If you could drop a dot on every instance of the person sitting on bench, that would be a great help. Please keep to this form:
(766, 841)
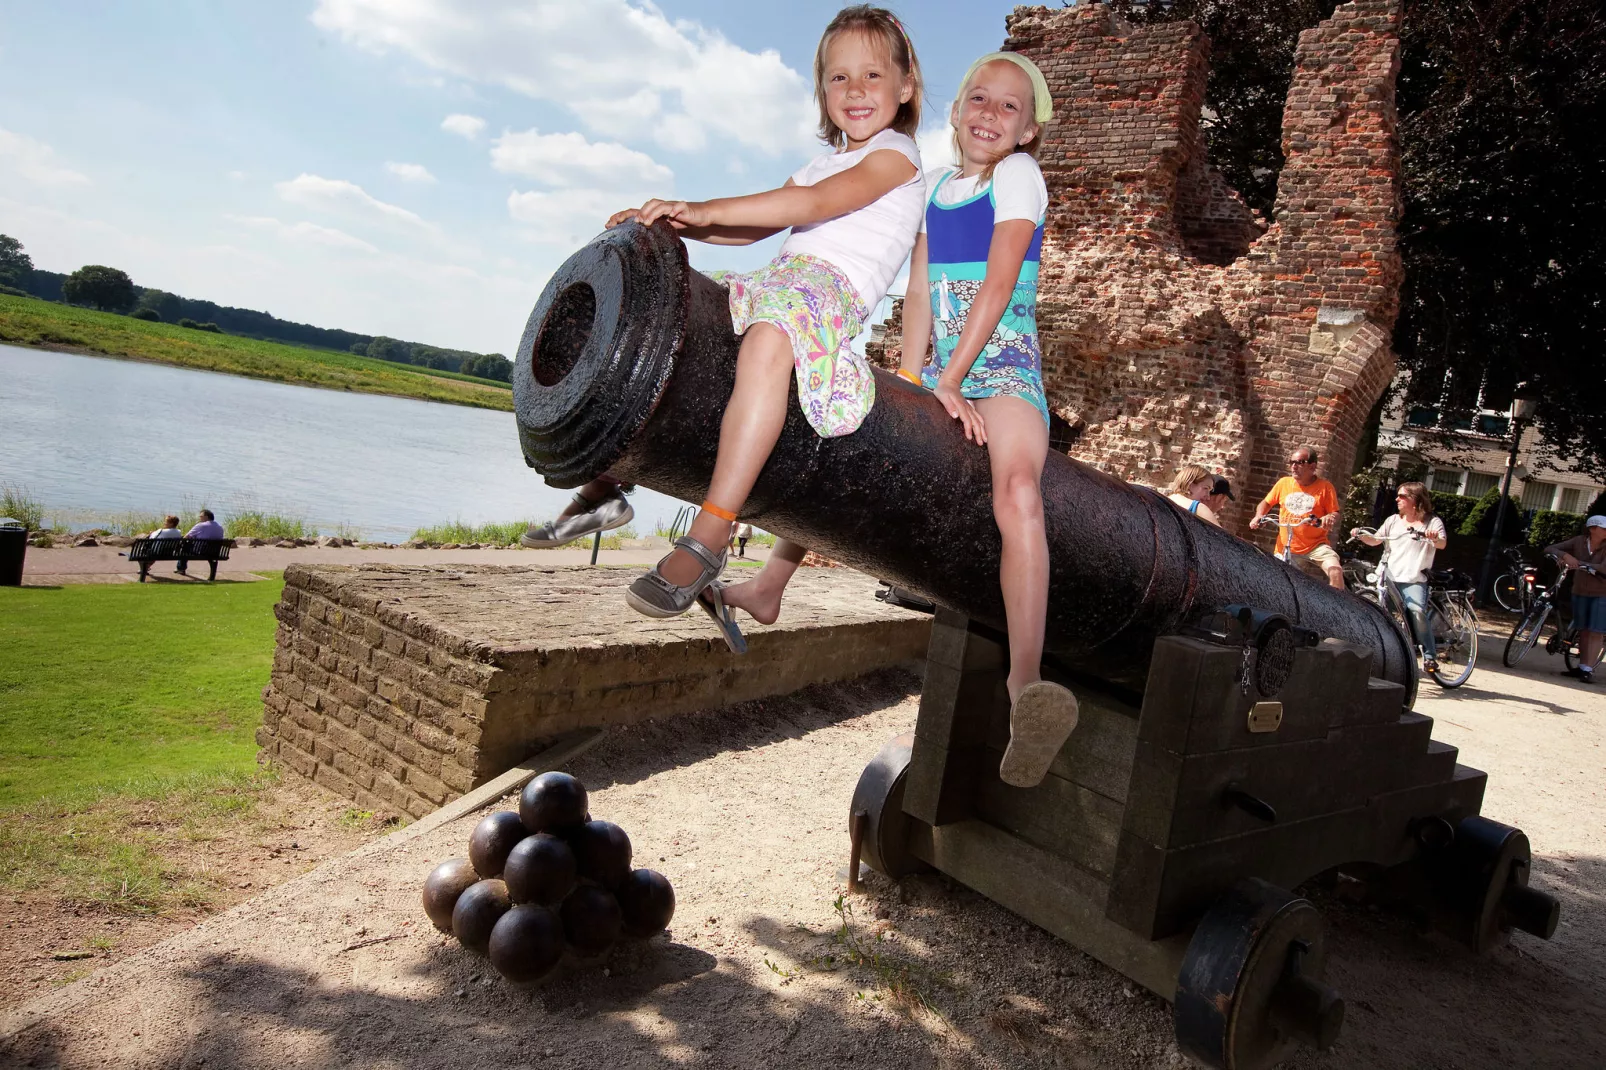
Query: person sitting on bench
(168, 530)
(206, 528)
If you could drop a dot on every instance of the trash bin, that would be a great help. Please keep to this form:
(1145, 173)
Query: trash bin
(13, 546)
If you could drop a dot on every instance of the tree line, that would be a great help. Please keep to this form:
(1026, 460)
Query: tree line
(111, 290)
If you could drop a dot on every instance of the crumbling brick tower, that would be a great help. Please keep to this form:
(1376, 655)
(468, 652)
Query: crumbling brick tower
(1176, 326)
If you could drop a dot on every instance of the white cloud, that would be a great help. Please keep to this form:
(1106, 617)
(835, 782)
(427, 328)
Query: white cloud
(622, 67)
(570, 160)
(468, 126)
(236, 176)
(567, 217)
(304, 233)
(35, 161)
(410, 172)
(936, 143)
(345, 198)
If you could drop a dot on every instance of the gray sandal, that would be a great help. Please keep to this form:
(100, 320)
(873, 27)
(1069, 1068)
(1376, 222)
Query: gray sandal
(655, 596)
(712, 602)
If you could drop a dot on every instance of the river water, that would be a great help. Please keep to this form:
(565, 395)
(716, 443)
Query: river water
(92, 438)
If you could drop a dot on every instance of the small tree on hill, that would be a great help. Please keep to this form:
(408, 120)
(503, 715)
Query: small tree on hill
(103, 287)
(16, 266)
(168, 306)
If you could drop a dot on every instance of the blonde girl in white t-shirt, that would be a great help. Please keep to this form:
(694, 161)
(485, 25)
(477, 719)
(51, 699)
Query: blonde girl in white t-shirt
(854, 213)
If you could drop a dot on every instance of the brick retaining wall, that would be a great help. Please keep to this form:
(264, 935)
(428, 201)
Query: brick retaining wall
(401, 687)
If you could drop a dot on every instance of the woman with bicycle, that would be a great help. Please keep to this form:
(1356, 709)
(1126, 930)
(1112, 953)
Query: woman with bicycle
(1589, 591)
(1413, 535)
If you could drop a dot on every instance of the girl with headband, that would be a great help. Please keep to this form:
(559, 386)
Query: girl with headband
(979, 248)
(853, 213)
(981, 237)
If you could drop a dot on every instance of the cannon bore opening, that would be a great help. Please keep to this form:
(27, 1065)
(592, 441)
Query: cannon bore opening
(564, 334)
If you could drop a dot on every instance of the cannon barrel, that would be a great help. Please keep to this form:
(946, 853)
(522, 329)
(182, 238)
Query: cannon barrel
(625, 367)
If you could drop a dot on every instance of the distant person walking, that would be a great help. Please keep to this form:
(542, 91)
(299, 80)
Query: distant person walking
(206, 528)
(1303, 497)
(1413, 535)
(1589, 592)
(1191, 490)
(739, 536)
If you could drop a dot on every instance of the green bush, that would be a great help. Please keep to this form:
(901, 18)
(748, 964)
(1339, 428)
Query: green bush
(12, 291)
(1481, 520)
(493, 534)
(149, 315)
(185, 321)
(1453, 509)
(1550, 527)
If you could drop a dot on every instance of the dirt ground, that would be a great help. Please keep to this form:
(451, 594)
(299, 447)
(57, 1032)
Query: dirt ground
(745, 811)
(295, 827)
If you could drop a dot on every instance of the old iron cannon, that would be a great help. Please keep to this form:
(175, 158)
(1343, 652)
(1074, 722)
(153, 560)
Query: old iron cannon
(1244, 727)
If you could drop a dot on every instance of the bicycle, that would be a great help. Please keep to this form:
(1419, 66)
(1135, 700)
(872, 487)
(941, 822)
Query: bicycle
(1514, 589)
(1527, 631)
(1286, 533)
(1449, 614)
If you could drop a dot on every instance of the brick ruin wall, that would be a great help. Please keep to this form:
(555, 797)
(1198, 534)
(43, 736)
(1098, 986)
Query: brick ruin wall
(1178, 327)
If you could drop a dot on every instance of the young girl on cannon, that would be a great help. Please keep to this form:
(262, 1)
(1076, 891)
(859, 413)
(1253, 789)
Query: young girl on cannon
(981, 239)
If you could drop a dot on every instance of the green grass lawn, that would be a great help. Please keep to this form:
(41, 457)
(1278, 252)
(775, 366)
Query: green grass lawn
(108, 687)
(29, 321)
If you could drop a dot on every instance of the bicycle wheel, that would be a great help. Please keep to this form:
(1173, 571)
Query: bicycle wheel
(1508, 592)
(1456, 633)
(1525, 635)
(1569, 647)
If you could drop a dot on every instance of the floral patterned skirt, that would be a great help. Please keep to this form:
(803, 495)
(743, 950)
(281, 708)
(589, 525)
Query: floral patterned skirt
(820, 311)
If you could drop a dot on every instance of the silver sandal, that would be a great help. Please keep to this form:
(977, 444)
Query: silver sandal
(655, 596)
(712, 601)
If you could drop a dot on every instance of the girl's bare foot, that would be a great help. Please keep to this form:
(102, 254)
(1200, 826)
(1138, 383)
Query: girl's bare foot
(756, 600)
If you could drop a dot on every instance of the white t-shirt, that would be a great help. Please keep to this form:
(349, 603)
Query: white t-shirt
(1409, 558)
(871, 244)
(1019, 191)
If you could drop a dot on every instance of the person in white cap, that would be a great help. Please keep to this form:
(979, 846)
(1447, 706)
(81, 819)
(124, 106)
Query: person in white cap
(1589, 592)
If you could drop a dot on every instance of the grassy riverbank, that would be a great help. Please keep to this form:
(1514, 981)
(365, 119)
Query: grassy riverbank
(124, 704)
(32, 322)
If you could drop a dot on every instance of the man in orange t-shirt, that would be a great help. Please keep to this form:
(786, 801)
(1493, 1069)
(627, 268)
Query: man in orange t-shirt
(1301, 496)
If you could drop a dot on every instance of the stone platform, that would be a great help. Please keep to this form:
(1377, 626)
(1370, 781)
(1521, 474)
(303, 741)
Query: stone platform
(403, 686)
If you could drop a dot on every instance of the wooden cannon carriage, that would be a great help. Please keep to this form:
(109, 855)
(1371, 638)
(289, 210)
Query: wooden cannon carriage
(1166, 835)
(1243, 728)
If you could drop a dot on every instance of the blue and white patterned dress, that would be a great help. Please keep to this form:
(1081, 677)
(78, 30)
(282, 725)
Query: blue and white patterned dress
(958, 238)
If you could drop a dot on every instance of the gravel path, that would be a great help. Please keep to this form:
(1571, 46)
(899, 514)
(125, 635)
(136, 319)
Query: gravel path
(744, 810)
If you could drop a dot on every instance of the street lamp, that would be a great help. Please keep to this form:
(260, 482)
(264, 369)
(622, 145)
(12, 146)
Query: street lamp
(1523, 405)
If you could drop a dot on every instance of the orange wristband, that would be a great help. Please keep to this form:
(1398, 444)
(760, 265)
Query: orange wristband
(904, 373)
(723, 514)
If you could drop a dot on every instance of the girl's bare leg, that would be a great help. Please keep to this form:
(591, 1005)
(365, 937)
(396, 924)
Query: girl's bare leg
(747, 435)
(760, 596)
(1017, 445)
(1042, 715)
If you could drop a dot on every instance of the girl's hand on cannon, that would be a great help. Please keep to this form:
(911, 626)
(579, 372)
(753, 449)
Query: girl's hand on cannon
(960, 408)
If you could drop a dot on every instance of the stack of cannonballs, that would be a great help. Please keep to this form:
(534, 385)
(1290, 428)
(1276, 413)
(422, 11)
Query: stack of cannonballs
(546, 877)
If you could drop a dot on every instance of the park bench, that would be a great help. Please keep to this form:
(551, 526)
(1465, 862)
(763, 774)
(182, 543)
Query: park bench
(146, 552)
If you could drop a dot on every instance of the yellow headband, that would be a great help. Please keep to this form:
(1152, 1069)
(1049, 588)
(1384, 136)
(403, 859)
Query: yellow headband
(1043, 100)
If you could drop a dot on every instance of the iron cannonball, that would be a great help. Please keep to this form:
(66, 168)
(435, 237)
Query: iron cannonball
(493, 838)
(591, 920)
(526, 943)
(541, 869)
(647, 902)
(603, 851)
(477, 912)
(553, 802)
(444, 884)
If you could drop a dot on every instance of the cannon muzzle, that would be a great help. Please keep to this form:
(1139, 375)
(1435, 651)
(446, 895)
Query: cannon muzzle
(626, 365)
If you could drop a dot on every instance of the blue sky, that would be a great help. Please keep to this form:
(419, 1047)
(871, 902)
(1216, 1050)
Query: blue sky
(409, 168)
